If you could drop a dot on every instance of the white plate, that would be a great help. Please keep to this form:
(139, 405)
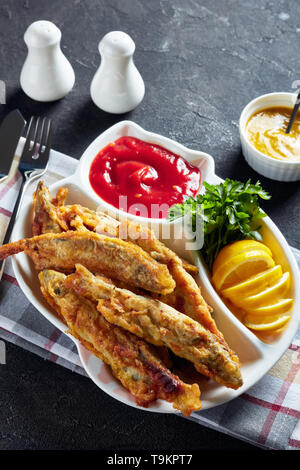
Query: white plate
(256, 357)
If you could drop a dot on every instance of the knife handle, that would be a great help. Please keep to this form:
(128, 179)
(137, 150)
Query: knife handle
(12, 222)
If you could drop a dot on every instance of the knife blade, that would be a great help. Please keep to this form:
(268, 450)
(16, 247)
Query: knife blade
(10, 132)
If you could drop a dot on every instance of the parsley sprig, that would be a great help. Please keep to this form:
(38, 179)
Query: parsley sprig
(230, 212)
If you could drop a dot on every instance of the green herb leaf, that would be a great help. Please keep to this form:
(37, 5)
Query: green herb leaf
(229, 212)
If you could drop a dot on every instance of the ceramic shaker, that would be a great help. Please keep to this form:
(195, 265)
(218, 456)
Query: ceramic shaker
(47, 75)
(117, 86)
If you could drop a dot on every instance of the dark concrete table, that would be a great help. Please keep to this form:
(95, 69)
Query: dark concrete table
(202, 61)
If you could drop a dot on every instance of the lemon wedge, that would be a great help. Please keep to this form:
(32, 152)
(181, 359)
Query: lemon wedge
(237, 248)
(240, 267)
(267, 296)
(254, 284)
(282, 306)
(245, 273)
(269, 323)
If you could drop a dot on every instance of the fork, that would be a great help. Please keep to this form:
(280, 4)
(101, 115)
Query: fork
(33, 164)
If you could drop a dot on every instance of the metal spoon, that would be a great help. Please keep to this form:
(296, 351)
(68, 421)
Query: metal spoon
(294, 114)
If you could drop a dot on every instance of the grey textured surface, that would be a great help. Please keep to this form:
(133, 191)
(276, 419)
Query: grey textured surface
(44, 406)
(201, 61)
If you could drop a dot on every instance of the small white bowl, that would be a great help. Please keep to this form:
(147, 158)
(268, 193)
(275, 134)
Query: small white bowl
(267, 166)
(199, 159)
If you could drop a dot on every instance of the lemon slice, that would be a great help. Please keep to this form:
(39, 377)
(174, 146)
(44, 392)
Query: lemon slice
(269, 323)
(268, 295)
(237, 248)
(282, 306)
(240, 267)
(254, 284)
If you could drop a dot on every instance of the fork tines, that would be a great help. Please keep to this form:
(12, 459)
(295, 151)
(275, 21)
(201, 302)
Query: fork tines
(38, 142)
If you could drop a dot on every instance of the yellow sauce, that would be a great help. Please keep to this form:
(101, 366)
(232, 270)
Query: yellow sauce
(266, 131)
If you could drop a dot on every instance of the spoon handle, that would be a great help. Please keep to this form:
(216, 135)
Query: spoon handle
(294, 114)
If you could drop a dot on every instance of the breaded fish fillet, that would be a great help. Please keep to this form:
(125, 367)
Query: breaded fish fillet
(56, 218)
(186, 296)
(47, 218)
(64, 218)
(135, 363)
(194, 304)
(159, 324)
(89, 220)
(187, 293)
(100, 254)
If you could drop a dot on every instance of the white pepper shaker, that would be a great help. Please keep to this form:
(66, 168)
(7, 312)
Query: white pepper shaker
(47, 75)
(117, 86)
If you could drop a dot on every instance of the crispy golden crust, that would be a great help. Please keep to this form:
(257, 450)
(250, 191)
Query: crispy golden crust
(100, 254)
(159, 324)
(186, 297)
(94, 221)
(133, 362)
(46, 210)
(63, 218)
(186, 286)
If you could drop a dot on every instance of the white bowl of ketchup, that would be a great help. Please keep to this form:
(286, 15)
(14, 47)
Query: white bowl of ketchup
(201, 161)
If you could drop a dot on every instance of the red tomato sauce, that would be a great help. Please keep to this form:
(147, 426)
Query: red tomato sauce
(142, 178)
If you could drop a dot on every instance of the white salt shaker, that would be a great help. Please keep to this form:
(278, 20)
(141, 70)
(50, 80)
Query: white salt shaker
(47, 75)
(117, 86)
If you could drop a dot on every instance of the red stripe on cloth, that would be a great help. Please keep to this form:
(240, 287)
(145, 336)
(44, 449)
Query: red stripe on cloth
(294, 443)
(52, 340)
(265, 431)
(53, 357)
(10, 279)
(294, 347)
(272, 406)
(9, 185)
(8, 331)
(5, 212)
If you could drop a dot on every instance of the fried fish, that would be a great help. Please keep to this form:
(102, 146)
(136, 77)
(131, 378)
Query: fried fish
(47, 218)
(186, 296)
(100, 254)
(135, 363)
(65, 217)
(159, 324)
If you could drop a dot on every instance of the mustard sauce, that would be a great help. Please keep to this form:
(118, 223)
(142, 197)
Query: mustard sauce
(266, 131)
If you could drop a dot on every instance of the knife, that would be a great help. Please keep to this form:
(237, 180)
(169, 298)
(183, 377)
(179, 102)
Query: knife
(11, 130)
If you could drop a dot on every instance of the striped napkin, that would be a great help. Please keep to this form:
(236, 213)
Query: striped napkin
(267, 415)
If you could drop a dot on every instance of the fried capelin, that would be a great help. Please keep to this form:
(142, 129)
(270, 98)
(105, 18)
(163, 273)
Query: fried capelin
(100, 254)
(47, 217)
(135, 363)
(83, 219)
(60, 217)
(186, 297)
(159, 324)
